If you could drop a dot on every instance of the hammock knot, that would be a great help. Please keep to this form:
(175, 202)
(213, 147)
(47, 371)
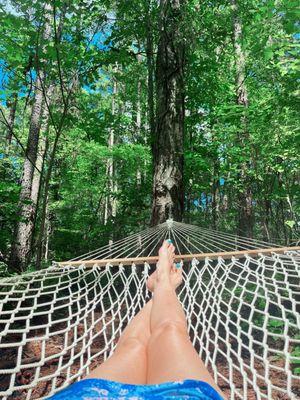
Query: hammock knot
(169, 223)
(146, 269)
(195, 262)
(108, 267)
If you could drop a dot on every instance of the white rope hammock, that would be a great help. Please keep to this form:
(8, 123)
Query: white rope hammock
(241, 300)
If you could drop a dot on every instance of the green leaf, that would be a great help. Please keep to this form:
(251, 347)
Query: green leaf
(268, 53)
(290, 223)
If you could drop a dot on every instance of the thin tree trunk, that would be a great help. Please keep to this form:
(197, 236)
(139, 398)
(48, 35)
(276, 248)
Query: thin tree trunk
(215, 203)
(168, 194)
(40, 239)
(12, 105)
(150, 68)
(266, 219)
(245, 208)
(40, 162)
(110, 203)
(36, 183)
(47, 232)
(66, 97)
(58, 131)
(44, 250)
(139, 124)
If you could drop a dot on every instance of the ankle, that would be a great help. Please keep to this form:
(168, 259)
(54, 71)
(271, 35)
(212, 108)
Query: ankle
(164, 283)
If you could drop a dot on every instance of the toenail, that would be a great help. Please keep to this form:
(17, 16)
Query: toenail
(178, 265)
(169, 241)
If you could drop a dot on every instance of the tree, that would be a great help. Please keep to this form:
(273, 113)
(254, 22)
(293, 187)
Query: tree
(21, 246)
(238, 136)
(245, 196)
(168, 191)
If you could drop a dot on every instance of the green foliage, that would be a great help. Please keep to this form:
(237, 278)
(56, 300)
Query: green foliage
(275, 325)
(295, 354)
(104, 45)
(9, 195)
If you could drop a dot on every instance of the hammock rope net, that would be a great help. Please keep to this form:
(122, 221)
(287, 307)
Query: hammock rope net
(57, 324)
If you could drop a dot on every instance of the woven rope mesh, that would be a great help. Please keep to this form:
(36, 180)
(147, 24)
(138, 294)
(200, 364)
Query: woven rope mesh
(58, 324)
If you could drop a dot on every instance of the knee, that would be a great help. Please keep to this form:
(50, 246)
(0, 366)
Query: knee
(170, 328)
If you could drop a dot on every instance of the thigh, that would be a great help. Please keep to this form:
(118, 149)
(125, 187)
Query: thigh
(128, 364)
(172, 357)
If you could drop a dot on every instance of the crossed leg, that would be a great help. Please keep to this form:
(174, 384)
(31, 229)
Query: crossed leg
(128, 363)
(155, 346)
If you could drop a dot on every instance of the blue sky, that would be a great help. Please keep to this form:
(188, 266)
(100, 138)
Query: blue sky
(3, 81)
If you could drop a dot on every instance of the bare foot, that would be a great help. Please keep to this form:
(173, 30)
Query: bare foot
(175, 278)
(166, 256)
(165, 268)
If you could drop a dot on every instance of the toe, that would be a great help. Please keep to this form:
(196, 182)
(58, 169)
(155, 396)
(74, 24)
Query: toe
(169, 243)
(172, 251)
(165, 244)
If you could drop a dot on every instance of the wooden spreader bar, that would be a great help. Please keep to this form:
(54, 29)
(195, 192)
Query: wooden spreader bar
(180, 257)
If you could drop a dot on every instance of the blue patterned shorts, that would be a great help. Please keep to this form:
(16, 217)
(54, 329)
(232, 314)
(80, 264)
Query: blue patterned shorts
(100, 389)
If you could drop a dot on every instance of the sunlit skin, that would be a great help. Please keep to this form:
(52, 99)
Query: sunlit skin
(155, 346)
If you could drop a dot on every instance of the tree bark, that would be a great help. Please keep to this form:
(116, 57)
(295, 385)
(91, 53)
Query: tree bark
(168, 194)
(20, 250)
(245, 196)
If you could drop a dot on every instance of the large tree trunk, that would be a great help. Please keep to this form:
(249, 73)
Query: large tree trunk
(21, 246)
(245, 197)
(168, 194)
(22, 239)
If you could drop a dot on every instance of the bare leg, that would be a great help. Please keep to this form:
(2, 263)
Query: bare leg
(128, 364)
(171, 355)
